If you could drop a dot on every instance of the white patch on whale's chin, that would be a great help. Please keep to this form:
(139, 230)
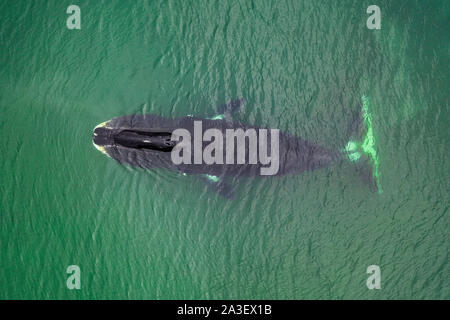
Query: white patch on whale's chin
(101, 149)
(103, 124)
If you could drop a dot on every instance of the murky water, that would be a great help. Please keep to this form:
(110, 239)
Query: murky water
(303, 67)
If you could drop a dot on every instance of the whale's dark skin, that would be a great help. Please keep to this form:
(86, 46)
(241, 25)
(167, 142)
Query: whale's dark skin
(144, 141)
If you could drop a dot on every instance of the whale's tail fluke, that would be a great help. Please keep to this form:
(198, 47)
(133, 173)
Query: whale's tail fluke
(362, 149)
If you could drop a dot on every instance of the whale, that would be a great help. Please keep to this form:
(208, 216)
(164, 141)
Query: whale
(150, 142)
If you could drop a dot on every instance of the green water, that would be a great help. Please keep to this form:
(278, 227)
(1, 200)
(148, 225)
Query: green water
(303, 67)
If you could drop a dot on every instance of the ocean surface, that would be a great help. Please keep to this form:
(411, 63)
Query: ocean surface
(302, 67)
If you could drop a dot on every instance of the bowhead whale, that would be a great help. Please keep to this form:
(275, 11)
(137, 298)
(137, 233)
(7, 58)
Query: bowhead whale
(218, 147)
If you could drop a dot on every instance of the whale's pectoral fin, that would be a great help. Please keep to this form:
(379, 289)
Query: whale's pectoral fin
(365, 171)
(218, 185)
(225, 111)
(232, 106)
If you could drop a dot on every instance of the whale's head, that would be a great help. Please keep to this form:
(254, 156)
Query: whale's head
(111, 140)
(102, 137)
